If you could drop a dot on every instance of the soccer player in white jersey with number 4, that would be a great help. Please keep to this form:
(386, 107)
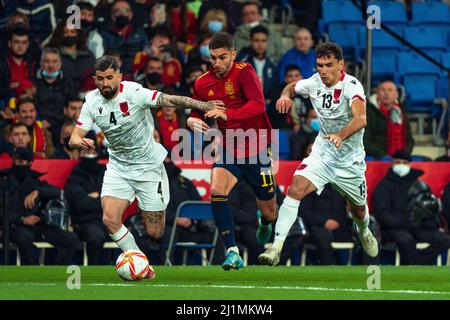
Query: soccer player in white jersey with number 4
(337, 155)
(135, 168)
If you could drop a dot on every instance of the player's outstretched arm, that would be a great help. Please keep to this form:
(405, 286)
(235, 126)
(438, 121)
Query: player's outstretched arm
(166, 100)
(359, 121)
(78, 140)
(284, 103)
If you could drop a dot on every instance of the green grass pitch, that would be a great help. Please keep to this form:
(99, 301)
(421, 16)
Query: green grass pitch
(250, 283)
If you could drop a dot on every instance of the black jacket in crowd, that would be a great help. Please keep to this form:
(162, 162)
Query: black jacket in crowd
(52, 98)
(82, 181)
(181, 189)
(390, 201)
(17, 190)
(446, 204)
(316, 210)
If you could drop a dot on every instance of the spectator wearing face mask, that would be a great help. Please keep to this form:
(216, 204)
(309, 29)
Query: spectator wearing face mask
(94, 39)
(75, 56)
(122, 35)
(82, 190)
(392, 209)
(251, 14)
(214, 21)
(199, 56)
(153, 71)
(63, 150)
(52, 92)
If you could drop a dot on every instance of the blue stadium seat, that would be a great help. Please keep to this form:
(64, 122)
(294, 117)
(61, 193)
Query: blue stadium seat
(427, 13)
(412, 63)
(339, 11)
(384, 51)
(430, 39)
(386, 159)
(418, 158)
(392, 13)
(442, 88)
(284, 145)
(445, 60)
(419, 78)
(347, 35)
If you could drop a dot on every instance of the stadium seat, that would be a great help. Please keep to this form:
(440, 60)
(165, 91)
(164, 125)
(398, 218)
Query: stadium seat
(419, 246)
(384, 51)
(442, 89)
(392, 13)
(195, 210)
(347, 35)
(417, 158)
(284, 145)
(445, 60)
(339, 11)
(432, 40)
(427, 13)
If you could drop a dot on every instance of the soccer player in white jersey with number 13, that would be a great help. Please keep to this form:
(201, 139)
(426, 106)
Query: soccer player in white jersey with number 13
(337, 155)
(135, 168)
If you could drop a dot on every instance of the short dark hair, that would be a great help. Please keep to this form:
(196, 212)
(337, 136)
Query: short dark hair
(106, 62)
(85, 5)
(20, 32)
(222, 39)
(329, 49)
(258, 29)
(17, 125)
(23, 101)
(252, 3)
(292, 67)
(73, 97)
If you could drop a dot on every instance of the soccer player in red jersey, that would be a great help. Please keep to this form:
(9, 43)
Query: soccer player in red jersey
(246, 121)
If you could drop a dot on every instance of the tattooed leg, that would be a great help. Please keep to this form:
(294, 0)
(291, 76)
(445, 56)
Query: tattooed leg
(154, 222)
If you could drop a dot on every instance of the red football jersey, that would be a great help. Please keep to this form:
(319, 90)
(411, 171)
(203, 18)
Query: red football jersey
(243, 96)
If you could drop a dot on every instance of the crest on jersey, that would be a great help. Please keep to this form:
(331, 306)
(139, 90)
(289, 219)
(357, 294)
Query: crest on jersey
(124, 108)
(336, 95)
(229, 88)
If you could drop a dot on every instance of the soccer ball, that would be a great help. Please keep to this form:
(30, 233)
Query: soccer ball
(134, 265)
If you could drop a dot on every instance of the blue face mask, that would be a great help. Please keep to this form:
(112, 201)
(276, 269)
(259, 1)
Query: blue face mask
(215, 26)
(315, 125)
(204, 51)
(50, 74)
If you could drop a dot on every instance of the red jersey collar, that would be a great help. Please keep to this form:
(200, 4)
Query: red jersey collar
(342, 76)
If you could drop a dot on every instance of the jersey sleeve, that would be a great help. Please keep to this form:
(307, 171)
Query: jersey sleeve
(85, 120)
(145, 98)
(354, 90)
(302, 87)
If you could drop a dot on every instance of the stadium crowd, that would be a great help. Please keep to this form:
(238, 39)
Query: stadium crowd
(47, 67)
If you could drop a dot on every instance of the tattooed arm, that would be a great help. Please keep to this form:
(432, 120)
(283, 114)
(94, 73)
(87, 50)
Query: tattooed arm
(166, 100)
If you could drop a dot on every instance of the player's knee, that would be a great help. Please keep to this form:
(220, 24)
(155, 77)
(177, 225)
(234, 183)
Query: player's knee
(155, 232)
(296, 192)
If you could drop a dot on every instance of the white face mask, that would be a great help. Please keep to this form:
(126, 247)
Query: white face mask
(401, 169)
(253, 24)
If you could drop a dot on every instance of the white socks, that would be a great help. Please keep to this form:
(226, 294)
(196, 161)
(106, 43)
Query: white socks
(124, 239)
(362, 226)
(287, 215)
(235, 249)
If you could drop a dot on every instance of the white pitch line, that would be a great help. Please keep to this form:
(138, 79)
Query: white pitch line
(243, 287)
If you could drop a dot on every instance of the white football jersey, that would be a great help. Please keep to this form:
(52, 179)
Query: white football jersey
(333, 108)
(128, 126)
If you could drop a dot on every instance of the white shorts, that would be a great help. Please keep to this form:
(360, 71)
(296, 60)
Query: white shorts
(350, 182)
(151, 188)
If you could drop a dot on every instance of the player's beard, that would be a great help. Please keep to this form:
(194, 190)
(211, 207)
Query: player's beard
(109, 93)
